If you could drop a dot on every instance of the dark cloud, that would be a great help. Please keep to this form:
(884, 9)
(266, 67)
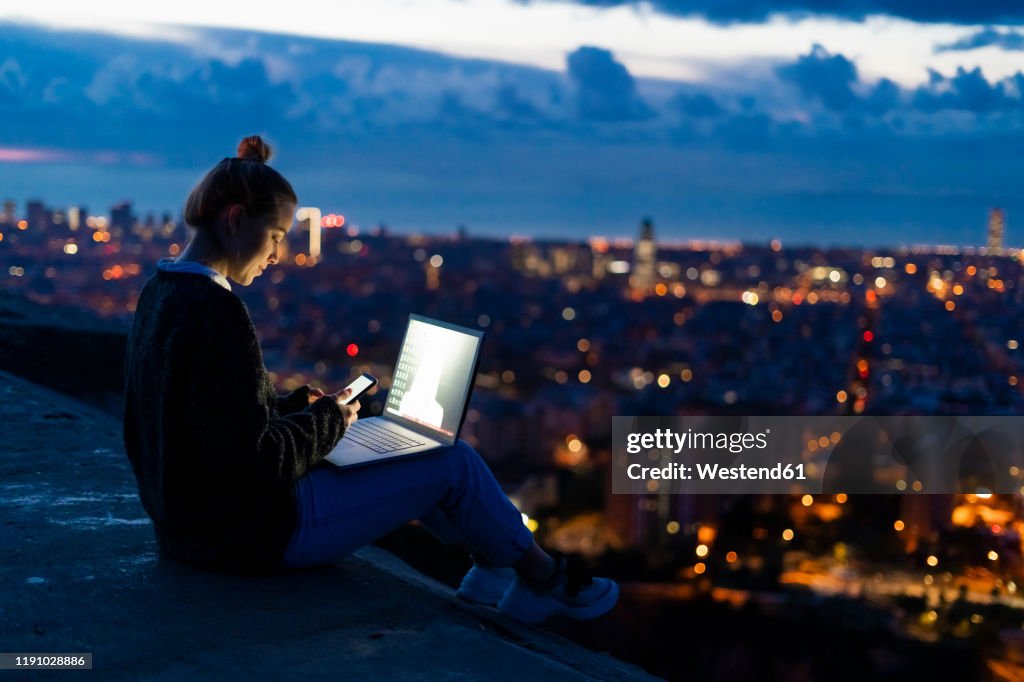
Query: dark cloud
(605, 91)
(509, 101)
(95, 90)
(823, 76)
(965, 91)
(833, 80)
(756, 11)
(215, 92)
(455, 113)
(885, 96)
(452, 107)
(986, 37)
(90, 90)
(434, 140)
(696, 105)
(751, 132)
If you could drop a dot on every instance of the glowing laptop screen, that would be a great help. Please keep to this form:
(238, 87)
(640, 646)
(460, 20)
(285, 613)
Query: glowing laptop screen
(433, 376)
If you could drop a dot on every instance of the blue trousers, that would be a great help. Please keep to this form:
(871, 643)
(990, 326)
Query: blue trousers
(451, 491)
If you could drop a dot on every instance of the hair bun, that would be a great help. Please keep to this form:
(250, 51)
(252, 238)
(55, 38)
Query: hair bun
(253, 148)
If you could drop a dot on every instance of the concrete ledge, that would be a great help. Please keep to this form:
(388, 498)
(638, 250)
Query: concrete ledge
(82, 574)
(63, 348)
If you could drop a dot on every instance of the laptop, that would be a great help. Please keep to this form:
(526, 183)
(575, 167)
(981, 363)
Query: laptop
(427, 401)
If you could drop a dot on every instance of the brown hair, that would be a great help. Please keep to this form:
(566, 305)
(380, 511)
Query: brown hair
(246, 180)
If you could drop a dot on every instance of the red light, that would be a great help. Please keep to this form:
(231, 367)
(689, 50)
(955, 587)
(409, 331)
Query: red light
(332, 220)
(868, 336)
(352, 350)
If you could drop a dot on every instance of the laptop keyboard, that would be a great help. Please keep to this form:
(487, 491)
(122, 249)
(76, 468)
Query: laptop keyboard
(378, 438)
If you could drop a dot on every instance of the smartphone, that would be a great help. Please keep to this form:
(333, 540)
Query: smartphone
(361, 385)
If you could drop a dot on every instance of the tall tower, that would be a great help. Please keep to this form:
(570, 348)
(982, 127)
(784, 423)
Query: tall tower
(122, 219)
(644, 254)
(599, 257)
(8, 214)
(996, 224)
(314, 218)
(74, 218)
(35, 212)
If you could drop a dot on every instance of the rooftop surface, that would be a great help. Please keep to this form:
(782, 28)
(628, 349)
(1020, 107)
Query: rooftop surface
(82, 574)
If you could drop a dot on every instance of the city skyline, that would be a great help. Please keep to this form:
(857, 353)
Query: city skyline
(77, 212)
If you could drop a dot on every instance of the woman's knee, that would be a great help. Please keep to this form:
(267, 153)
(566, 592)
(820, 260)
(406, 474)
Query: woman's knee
(464, 457)
(465, 449)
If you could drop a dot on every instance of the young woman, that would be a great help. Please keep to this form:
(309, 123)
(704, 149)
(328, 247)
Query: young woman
(233, 475)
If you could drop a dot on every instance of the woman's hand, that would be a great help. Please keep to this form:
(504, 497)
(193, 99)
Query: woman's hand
(351, 410)
(315, 394)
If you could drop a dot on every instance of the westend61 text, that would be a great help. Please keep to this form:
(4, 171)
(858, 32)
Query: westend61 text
(713, 472)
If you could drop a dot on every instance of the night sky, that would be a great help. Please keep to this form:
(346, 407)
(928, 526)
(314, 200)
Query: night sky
(890, 122)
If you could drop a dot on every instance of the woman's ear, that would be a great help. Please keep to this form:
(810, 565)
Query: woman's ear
(234, 218)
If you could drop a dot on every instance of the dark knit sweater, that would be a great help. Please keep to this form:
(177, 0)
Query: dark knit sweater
(215, 452)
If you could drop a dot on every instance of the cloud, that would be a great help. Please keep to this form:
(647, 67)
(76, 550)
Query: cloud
(91, 91)
(823, 76)
(696, 105)
(433, 140)
(833, 80)
(605, 91)
(757, 11)
(747, 132)
(459, 116)
(12, 80)
(966, 91)
(29, 155)
(509, 101)
(83, 89)
(1009, 41)
(885, 96)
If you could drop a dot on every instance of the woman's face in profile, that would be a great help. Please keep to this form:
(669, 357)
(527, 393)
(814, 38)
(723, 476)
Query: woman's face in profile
(257, 243)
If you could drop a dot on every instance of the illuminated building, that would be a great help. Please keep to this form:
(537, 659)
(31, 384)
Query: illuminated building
(76, 216)
(35, 213)
(996, 225)
(600, 258)
(644, 270)
(314, 236)
(121, 217)
(7, 216)
(518, 254)
(168, 224)
(311, 219)
(433, 273)
(527, 258)
(923, 518)
(563, 259)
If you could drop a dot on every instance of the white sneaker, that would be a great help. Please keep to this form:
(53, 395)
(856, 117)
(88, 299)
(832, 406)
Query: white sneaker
(485, 584)
(571, 593)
